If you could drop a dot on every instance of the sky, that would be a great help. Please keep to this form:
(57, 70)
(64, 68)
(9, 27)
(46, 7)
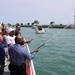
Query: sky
(45, 11)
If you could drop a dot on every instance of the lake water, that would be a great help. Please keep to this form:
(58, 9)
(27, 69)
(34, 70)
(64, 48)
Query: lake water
(56, 57)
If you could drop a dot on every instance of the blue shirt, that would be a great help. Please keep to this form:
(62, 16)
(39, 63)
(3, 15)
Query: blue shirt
(2, 54)
(18, 54)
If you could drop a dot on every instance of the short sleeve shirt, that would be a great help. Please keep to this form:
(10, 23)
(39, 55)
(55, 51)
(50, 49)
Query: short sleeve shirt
(10, 39)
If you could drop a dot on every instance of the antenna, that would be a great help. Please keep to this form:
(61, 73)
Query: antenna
(74, 17)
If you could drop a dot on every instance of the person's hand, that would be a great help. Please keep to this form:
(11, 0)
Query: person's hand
(36, 50)
(29, 41)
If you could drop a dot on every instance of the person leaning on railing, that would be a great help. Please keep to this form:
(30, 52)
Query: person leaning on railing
(18, 56)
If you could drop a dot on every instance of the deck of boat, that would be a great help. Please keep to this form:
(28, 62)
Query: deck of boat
(6, 71)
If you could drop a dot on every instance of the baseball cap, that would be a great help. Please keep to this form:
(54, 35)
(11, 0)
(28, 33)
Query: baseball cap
(10, 29)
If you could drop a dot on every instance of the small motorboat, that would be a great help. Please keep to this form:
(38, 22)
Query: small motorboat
(40, 30)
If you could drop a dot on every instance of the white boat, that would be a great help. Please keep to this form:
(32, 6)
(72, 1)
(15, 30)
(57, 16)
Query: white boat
(39, 30)
(34, 26)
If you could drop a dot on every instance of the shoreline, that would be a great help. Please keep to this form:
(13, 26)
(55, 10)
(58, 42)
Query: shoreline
(53, 26)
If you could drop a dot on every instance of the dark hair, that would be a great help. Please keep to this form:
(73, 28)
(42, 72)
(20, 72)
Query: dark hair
(17, 26)
(19, 39)
(16, 39)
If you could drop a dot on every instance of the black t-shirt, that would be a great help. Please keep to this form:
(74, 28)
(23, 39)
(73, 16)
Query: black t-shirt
(17, 32)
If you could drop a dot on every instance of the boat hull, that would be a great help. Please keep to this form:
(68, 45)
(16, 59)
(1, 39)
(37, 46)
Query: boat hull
(40, 31)
(30, 70)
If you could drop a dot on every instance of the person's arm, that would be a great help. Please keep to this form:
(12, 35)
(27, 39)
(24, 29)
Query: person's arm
(30, 56)
(28, 41)
(8, 45)
(36, 50)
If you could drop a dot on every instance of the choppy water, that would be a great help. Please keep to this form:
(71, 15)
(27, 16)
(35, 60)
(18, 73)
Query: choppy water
(57, 57)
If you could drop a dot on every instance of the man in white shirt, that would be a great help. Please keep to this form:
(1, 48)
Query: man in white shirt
(10, 39)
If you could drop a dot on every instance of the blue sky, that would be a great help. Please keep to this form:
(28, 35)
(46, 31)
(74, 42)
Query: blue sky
(45, 11)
